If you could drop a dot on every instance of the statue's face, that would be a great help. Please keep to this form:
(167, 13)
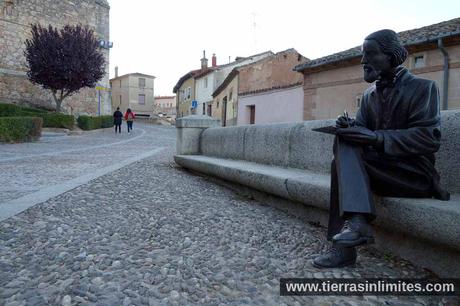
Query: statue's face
(375, 62)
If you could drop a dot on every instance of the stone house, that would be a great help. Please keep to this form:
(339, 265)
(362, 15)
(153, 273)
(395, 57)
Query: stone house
(265, 91)
(335, 82)
(165, 105)
(185, 93)
(16, 16)
(219, 75)
(135, 91)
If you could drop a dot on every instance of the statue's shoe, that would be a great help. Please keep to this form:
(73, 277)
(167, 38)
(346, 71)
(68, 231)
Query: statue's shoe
(336, 257)
(355, 231)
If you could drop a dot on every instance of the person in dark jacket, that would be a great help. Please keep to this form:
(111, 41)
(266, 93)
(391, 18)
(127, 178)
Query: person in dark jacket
(117, 119)
(388, 149)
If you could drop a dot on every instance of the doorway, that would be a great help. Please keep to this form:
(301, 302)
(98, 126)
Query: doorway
(224, 111)
(252, 114)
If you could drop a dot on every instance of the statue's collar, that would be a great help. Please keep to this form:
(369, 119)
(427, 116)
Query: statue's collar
(381, 84)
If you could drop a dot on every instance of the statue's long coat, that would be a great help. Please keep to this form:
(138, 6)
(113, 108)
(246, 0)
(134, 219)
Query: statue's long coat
(406, 116)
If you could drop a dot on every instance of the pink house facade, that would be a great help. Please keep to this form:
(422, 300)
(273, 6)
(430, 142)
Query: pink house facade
(283, 105)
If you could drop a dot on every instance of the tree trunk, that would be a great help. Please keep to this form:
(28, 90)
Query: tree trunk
(58, 101)
(58, 106)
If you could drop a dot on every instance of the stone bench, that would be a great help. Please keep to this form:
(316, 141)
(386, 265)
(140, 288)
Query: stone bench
(292, 162)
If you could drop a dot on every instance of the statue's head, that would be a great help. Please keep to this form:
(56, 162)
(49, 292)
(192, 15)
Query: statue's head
(382, 53)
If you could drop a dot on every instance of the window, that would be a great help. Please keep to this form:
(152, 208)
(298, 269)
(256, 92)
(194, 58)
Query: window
(217, 104)
(189, 92)
(419, 61)
(120, 99)
(230, 95)
(120, 83)
(142, 99)
(141, 82)
(206, 82)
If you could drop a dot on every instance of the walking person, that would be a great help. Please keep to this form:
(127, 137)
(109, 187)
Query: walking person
(129, 117)
(117, 119)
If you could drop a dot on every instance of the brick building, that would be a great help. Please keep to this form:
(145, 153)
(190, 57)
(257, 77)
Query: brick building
(335, 82)
(15, 19)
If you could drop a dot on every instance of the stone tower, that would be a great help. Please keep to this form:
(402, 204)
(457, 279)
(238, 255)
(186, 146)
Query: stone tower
(16, 16)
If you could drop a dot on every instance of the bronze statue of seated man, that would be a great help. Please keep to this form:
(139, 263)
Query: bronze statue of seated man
(388, 149)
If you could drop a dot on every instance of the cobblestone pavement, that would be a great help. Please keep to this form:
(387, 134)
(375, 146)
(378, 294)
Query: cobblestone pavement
(153, 234)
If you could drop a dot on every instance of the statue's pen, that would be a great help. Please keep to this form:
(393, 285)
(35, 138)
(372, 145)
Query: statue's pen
(345, 114)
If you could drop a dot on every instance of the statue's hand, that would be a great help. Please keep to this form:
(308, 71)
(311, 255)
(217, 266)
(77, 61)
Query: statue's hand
(343, 122)
(359, 135)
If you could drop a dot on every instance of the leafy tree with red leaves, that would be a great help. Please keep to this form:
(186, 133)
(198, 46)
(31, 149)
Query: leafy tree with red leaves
(64, 61)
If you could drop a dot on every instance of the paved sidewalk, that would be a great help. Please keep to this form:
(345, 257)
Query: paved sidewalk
(154, 234)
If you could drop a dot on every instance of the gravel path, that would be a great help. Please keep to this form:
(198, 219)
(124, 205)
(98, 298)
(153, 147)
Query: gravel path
(153, 234)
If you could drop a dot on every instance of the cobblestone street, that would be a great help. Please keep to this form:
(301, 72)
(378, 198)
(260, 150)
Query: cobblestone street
(151, 233)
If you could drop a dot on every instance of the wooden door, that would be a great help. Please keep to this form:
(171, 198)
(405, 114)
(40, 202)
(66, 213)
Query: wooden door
(252, 114)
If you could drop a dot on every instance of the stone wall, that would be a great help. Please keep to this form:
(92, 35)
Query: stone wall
(15, 19)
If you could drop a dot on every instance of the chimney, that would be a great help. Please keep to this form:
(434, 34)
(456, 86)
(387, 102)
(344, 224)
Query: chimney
(116, 71)
(204, 62)
(214, 60)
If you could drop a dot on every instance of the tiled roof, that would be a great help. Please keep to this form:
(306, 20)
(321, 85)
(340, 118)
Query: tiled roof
(409, 38)
(184, 78)
(239, 59)
(205, 72)
(164, 97)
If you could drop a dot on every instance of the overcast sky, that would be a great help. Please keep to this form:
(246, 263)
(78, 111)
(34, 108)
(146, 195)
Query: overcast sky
(166, 38)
